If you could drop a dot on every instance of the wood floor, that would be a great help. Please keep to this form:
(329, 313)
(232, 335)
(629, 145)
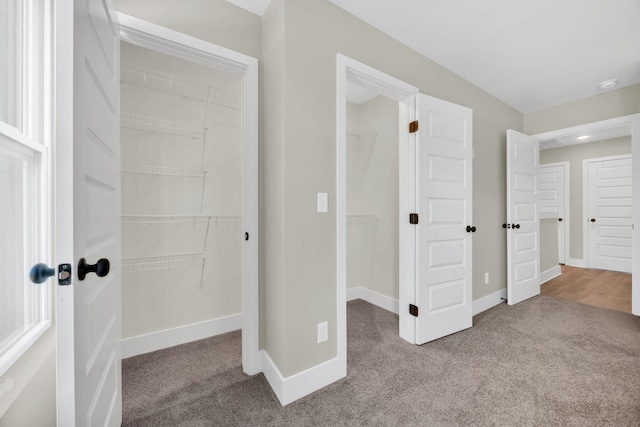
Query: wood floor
(600, 288)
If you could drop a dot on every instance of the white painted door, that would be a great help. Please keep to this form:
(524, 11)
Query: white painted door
(88, 225)
(609, 201)
(444, 191)
(523, 228)
(552, 201)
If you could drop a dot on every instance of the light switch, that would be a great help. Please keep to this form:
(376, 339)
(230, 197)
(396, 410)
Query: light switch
(323, 202)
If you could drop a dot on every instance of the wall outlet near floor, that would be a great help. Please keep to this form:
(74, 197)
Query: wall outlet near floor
(323, 332)
(486, 278)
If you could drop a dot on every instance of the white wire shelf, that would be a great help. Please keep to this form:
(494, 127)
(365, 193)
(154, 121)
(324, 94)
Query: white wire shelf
(158, 125)
(355, 129)
(162, 262)
(180, 86)
(170, 219)
(162, 170)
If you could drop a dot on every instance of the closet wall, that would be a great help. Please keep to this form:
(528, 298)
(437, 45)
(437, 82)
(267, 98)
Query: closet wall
(181, 192)
(372, 196)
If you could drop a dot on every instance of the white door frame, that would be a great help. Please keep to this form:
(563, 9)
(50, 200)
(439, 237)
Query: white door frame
(585, 202)
(634, 122)
(567, 206)
(356, 72)
(151, 36)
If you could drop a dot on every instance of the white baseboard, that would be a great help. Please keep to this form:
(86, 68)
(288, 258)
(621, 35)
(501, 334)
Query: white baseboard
(374, 298)
(575, 262)
(489, 301)
(292, 388)
(146, 343)
(545, 276)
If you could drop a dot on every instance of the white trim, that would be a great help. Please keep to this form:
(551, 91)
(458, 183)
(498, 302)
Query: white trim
(576, 262)
(585, 202)
(152, 36)
(634, 121)
(549, 274)
(17, 349)
(292, 388)
(374, 298)
(353, 71)
(146, 343)
(489, 301)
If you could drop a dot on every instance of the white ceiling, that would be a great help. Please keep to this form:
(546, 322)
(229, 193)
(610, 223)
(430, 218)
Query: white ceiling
(530, 54)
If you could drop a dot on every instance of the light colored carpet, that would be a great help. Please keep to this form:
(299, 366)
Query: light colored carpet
(545, 361)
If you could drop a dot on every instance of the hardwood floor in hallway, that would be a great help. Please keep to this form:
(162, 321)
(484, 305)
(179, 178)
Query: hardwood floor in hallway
(600, 288)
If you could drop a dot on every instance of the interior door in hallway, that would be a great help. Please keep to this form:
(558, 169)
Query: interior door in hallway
(445, 229)
(88, 210)
(608, 196)
(553, 202)
(522, 226)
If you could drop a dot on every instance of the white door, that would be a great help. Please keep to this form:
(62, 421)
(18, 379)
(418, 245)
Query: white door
(552, 201)
(444, 191)
(88, 224)
(609, 200)
(523, 228)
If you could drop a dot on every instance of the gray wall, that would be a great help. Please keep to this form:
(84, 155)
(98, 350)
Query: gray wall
(609, 105)
(548, 244)
(575, 154)
(305, 251)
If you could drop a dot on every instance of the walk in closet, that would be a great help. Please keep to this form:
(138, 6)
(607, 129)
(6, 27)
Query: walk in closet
(372, 194)
(181, 192)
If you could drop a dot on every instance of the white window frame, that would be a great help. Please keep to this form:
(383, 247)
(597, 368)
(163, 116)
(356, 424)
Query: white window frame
(32, 136)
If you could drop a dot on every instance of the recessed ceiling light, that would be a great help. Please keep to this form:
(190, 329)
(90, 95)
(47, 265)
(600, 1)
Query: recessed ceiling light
(608, 84)
(583, 137)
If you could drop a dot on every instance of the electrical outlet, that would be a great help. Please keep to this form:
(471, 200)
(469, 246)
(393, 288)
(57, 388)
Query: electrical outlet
(323, 202)
(486, 278)
(323, 332)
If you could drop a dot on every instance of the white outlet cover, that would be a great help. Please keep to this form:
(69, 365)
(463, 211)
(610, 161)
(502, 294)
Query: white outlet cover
(323, 332)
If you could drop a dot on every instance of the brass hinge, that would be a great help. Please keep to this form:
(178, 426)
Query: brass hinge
(413, 218)
(413, 310)
(413, 126)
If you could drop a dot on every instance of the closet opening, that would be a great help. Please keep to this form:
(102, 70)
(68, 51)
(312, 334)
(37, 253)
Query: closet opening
(189, 206)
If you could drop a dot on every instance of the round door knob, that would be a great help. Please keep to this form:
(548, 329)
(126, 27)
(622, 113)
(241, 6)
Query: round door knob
(40, 273)
(101, 268)
(592, 220)
(473, 229)
(560, 219)
(516, 225)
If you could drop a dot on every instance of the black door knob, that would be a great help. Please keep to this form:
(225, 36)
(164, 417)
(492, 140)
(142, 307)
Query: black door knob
(101, 268)
(40, 273)
(593, 220)
(560, 219)
(473, 229)
(515, 226)
(468, 229)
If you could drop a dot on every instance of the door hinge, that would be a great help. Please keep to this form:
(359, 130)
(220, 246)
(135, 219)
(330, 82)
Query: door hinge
(413, 310)
(413, 126)
(413, 218)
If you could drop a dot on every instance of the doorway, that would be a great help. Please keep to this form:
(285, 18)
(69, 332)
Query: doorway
(195, 201)
(623, 127)
(597, 271)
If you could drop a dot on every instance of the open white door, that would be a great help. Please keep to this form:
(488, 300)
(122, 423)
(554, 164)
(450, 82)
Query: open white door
(523, 228)
(87, 211)
(444, 192)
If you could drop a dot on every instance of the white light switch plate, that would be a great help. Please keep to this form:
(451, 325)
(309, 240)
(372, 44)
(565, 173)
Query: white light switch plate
(323, 332)
(323, 202)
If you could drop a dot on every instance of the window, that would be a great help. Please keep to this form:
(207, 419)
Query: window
(25, 187)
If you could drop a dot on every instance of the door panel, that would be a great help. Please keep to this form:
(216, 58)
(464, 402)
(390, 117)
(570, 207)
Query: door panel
(523, 236)
(609, 202)
(551, 199)
(89, 309)
(443, 284)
